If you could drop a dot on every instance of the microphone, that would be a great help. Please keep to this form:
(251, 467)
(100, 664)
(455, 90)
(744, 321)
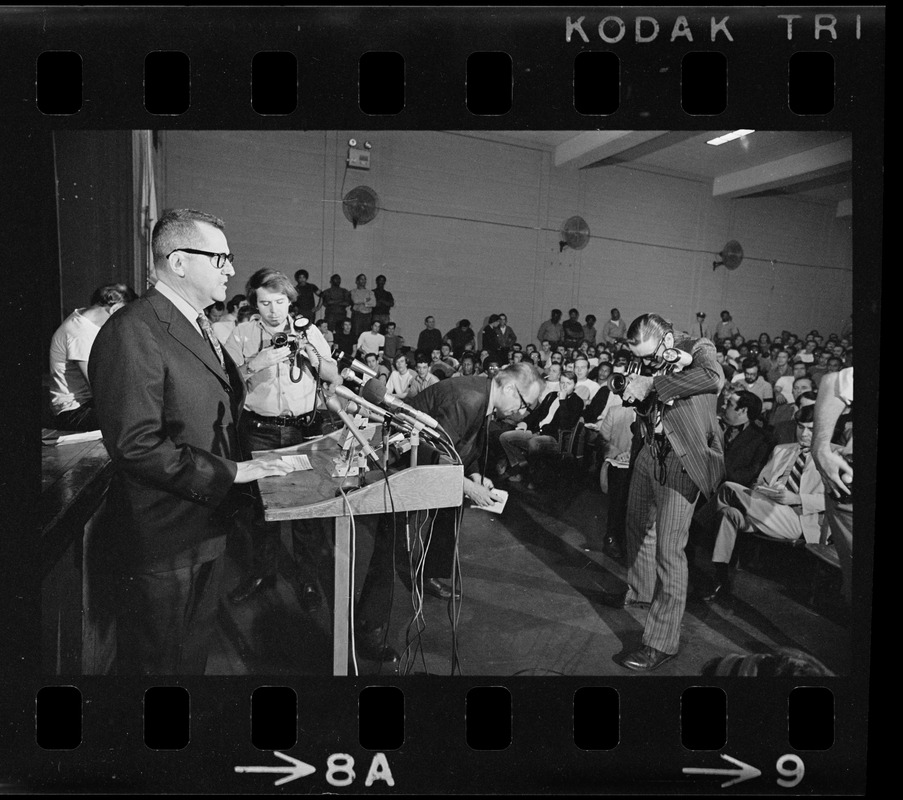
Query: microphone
(346, 362)
(375, 392)
(402, 421)
(334, 405)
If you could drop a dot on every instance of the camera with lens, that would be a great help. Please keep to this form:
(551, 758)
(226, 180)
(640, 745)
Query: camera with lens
(285, 339)
(617, 381)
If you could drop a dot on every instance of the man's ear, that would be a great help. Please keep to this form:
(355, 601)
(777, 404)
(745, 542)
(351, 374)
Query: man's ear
(669, 340)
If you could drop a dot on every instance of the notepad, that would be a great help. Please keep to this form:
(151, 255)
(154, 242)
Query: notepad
(297, 462)
(499, 506)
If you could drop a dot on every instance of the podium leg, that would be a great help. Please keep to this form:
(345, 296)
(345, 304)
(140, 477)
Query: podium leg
(342, 595)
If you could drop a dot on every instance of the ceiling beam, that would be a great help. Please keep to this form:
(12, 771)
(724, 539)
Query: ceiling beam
(592, 146)
(845, 208)
(795, 169)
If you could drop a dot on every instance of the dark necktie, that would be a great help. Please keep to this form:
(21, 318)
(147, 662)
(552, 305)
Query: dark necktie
(793, 480)
(210, 336)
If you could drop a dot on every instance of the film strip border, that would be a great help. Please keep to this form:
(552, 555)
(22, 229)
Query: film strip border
(466, 736)
(521, 68)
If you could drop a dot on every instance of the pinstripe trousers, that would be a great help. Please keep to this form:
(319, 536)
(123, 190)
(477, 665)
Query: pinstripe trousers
(657, 565)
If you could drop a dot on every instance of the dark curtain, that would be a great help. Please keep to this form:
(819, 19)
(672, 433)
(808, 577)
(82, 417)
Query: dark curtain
(95, 207)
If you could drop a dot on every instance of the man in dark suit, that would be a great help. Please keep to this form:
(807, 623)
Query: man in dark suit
(746, 445)
(463, 408)
(682, 455)
(168, 399)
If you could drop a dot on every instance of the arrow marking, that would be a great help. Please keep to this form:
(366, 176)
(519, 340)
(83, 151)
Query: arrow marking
(743, 774)
(298, 769)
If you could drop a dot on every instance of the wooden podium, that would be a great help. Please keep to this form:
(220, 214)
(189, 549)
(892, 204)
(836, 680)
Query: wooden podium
(314, 493)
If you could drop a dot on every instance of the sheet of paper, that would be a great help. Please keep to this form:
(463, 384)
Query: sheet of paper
(499, 506)
(297, 462)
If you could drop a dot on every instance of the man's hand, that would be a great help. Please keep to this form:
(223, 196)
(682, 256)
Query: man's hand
(268, 357)
(836, 473)
(479, 491)
(779, 398)
(521, 426)
(264, 467)
(638, 387)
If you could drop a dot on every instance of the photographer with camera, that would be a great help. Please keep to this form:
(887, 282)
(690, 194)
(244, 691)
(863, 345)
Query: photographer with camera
(282, 368)
(673, 381)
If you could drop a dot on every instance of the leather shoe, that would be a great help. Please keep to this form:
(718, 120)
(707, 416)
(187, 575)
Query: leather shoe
(720, 591)
(612, 599)
(370, 645)
(646, 659)
(249, 587)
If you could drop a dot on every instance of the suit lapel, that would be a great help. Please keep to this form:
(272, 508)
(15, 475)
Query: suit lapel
(186, 334)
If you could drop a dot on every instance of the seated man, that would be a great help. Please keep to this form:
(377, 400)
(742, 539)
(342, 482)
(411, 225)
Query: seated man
(785, 432)
(381, 370)
(785, 395)
(423, 377)
(439, 367)
(751, 381)
(371, 341)
(586, 388)
(70, 390)
(746, 446)
(553, 378)
(784, 503)
(537, 434)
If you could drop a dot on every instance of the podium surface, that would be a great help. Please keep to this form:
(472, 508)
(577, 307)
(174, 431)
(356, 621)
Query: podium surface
(314, 493)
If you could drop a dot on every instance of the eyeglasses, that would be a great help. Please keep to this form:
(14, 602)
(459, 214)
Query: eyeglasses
(217, 259)
(653, 356)
(524, 405)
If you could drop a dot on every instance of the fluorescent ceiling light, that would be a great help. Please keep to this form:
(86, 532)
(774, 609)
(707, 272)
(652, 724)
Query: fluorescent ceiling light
(728, 137)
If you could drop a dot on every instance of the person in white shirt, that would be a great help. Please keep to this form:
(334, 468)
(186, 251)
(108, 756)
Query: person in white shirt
(371, 341)
(224, 325)
(70, 389)
(586, 388)
(399, 382)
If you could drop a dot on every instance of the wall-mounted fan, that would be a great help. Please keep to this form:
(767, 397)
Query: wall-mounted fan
(360, 205)
(731, 256)
(574, 234)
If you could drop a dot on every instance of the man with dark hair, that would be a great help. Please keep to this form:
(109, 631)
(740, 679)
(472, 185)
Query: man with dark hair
(505, 335)
(335, 301)
(785, 503)
(551, 329)
(385, 302)
(589, 329)
(430, 337)
(573, 330)
(423, 377)
(461, 337)
(785, 432)
(489, 340)
(344, 339)
(168, 399)
(307, 302)
(615, 330)
(681, 456)
(726, 330)
(750, 381)
(70, 389)
(746, 446)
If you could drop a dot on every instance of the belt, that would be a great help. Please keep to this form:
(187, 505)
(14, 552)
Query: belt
(302, 420)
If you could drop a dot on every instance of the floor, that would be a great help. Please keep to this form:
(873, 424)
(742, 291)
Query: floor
(529, 578)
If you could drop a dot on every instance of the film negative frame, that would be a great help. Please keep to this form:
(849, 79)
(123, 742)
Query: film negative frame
(435, 43)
